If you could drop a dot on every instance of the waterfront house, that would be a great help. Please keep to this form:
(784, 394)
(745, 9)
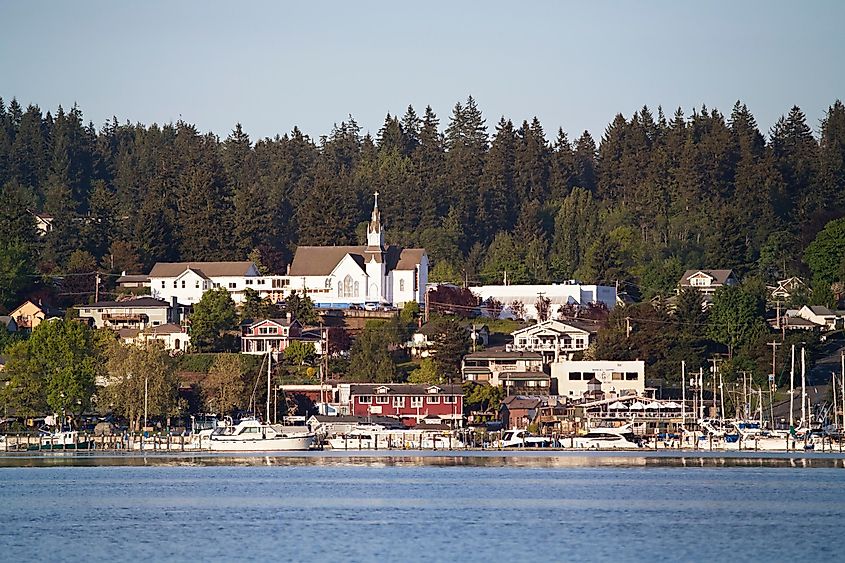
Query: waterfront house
(572, 379)
(261, 336)
(489, 365)
(518, 411)
(410, 402)
(555, 340)
(138, 313)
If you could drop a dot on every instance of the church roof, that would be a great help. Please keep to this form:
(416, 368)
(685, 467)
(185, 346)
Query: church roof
(322, 260)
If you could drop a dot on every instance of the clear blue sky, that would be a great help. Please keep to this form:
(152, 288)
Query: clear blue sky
(273, 65)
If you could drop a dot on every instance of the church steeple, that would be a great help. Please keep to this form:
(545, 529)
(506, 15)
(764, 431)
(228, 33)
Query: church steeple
(375, 237)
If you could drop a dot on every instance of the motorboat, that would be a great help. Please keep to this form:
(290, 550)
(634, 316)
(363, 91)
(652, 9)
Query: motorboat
(520, 438)
(606, 438)
(251, 435)
(377, 437)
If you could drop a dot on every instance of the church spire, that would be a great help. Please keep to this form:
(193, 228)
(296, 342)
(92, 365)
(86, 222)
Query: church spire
(375, 237)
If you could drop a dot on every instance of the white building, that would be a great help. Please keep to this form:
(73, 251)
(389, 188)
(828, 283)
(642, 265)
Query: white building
(616, 378)
(138, 313)
(558, 294)
(555, 340)
(332, 276)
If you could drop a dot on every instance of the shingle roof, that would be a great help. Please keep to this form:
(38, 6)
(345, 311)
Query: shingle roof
(141, 302)
(821, 310)
(497, 353)
(520, 402)
(403, 389)
(719, 276)
(208, 269)
(133, 278)
(167, 328)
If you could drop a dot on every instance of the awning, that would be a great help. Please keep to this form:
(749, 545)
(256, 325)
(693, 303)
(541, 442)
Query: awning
(617, 406)
(637, 406)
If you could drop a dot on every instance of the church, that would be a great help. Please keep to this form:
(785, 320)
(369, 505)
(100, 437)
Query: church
(374, 274)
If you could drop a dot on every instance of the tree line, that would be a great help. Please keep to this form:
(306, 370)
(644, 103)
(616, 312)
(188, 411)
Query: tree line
(654, 195)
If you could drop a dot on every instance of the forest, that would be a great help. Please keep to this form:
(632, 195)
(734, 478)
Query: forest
(654, 195)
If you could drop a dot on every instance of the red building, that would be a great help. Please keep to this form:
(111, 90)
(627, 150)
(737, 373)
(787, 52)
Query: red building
(269, 334)
(407, 401)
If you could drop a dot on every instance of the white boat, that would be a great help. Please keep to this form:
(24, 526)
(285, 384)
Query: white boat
(606, 438)
(250, 435)
(520, 438)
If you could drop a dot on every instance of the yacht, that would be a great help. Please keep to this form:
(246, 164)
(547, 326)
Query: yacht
(60, 440)
(608, 438)
(520, 438)
(250, 435)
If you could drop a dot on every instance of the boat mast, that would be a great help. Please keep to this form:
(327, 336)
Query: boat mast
(792, 387)
(803, 388)
(842, 394)
(833, 384)
(683, 393)
(269, 363)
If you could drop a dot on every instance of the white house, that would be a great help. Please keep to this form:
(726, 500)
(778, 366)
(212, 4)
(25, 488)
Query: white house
(618, 378)
(558, 294)
(495, 365)
(822, 316)
(187, 281)
(173, 336)
(707, 282)
(555, 339)
(132, 313)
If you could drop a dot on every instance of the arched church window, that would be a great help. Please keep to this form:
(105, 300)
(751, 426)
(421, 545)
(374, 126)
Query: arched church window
(347, 286)
(356, 289)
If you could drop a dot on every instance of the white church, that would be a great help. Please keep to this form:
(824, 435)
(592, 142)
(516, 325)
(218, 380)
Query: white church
(332, 276)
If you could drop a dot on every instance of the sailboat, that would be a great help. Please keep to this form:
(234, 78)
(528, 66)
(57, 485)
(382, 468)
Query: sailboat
(252, 435)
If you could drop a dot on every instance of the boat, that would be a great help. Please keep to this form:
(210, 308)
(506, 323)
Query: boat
(607, 438)
(519, 438)
(251, 435)
(60, 440)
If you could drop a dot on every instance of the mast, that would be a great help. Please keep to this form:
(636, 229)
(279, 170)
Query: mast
(269, 363)
(803, 388)
(833, 384)
(792, 387)
(683, 393)
(842, 394)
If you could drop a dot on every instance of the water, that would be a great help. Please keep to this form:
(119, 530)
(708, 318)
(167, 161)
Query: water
(525, 507)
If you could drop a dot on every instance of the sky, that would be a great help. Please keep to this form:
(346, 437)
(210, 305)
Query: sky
(275, 65)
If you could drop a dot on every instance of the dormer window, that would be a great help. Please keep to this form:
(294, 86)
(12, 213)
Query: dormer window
(382, 389)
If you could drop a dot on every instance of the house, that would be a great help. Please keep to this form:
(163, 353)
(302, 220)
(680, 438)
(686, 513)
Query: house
(525, 383)
(421, 344)
(786, 289)
(555, 340)
(9, 323)
(375, 273)
(261, 336)
(559, 295)
(29, 315)
(572, 378)
(43, 223)
(821, 316)
(133, 281)
(707, 282)
(138, 313)
(489, 365)
(519, 411)
(187, 281)
(410, 402)
(792, 322)
(173, 336)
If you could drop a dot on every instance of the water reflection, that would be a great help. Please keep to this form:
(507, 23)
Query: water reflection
(431, 459)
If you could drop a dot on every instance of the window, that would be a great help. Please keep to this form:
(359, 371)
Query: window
(588, 375)
(399, 402)
(617, 376)
(183, 284)
(162, 285)
(198, 284)
(450, 400)
(574, 376)
(434, 400)
(249, 282)
(174, 284)
(260, 282)
(382, 400)
(416, 402)
(401, 285)
(328, 283)
(631, 376)
(365, 399)
(233, 285)
(346, 291)
(176, 344)
(355, 291)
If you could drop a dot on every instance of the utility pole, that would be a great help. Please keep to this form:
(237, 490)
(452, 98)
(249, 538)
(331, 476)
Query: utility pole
(540, 304)
(427, 305)
(627, 327)
(97, 288)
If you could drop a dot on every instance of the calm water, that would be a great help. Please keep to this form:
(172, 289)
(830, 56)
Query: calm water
(429, 508)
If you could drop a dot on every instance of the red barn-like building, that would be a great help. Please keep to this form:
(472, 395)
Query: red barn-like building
(409, 402)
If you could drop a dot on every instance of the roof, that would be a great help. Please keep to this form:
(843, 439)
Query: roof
(404, 388)
(719, 276)
(167, 328)
(585, 325)
(523, 375)
(128, 332)
(207, 269)
(322, 260)
(46, 308)
(6, 320)
(133, 278)
(520, 402)
(386, 421)
(139, 303)
(501, 353)
(280, 322)
(821, 310)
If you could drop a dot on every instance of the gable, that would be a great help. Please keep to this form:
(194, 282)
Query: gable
(348, 264)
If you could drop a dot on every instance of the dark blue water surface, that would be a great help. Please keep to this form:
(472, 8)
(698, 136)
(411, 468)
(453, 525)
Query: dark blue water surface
(426, 508)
